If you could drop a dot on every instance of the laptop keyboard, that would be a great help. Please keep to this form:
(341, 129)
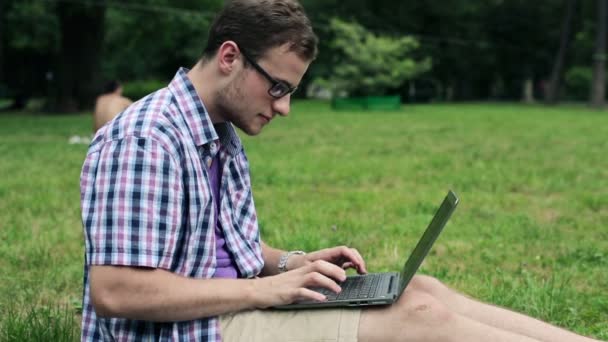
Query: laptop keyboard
(358, 287)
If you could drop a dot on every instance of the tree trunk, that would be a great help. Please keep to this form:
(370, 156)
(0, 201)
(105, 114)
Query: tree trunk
(598, 85)
(555, 81)
(449, 92)
(2, 15)
(528, 91)
(78, 72)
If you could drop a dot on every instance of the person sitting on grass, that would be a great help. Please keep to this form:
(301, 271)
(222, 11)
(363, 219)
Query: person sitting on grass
(173, 249)
(109, 104)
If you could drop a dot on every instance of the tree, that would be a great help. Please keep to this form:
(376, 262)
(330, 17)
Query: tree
(151, 40)
(480, 49)
(53, 48)
(369, 64)
(81, 28)
(519, 36)
(30, 41)
(2, 10)
(553, 88)
(473, 44)
(598, 86)
(62, 50)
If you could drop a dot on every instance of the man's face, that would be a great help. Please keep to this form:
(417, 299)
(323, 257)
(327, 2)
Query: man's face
(245, 101)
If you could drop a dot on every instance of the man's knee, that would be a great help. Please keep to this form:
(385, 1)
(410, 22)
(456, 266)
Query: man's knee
(421, 306)
(416, 316)
(427, 284)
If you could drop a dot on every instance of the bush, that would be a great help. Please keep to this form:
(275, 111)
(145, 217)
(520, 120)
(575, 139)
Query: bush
(135, 90)
(368, 64)
(4, 92)
(578, 83)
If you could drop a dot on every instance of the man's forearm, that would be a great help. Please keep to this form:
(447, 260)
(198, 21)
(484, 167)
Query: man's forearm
(159, 295)
(271, 259)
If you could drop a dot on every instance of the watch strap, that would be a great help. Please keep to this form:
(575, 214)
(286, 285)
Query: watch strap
(282, 266)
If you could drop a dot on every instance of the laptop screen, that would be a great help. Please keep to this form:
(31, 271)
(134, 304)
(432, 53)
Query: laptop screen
(428, 238)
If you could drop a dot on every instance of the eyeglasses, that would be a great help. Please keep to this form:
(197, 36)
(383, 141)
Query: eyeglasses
(278, 88)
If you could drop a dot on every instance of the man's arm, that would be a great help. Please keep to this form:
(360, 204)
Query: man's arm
(271, 260)
(159, 295)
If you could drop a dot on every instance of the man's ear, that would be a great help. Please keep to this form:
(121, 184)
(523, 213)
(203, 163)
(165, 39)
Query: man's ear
(228, 56)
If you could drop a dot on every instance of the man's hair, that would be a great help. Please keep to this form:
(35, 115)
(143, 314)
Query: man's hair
(259, 25)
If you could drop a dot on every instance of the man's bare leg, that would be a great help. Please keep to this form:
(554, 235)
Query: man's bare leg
(492, 315)
(418, 316)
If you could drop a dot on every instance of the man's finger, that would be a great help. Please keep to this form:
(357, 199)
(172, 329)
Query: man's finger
(360, 264)
(353, 256)
(348, 265)
(316, 279)
(327, 269)
(308, 294)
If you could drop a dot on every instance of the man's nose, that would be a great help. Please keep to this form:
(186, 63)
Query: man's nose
(281, 106)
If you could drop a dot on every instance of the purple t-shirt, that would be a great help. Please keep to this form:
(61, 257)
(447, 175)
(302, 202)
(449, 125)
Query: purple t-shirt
(226, 267)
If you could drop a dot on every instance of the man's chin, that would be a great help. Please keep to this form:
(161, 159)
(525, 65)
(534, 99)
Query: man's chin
(249, 130)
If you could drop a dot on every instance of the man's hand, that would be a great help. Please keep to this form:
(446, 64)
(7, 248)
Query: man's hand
(294, 285)
(342, 256)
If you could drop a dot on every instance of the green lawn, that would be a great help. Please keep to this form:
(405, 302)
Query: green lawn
(531, 231)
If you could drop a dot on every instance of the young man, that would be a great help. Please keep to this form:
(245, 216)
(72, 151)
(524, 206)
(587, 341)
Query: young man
(109, 104)
(173, 250)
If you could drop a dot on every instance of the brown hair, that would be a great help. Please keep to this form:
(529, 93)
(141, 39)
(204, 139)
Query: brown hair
(259, 25)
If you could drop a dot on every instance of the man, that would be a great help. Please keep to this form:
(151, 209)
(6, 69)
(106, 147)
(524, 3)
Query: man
(173, 250)
(109, 104)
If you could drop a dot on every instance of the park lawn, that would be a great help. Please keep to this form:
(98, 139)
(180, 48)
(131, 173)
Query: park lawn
(530, 233)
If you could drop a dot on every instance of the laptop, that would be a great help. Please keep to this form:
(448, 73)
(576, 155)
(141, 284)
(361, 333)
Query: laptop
(384, 288)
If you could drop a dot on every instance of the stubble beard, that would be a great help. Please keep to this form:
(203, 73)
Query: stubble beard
(232, 107)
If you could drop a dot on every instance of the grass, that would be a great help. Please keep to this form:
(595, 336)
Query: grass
(39, 323)
(531, 232)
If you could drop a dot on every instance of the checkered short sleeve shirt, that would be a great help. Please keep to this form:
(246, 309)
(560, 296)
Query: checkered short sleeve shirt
(146, 202)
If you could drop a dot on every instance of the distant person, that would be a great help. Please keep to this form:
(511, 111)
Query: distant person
(109, 104)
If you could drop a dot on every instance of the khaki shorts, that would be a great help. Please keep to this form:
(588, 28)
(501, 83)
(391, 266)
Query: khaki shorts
(326, 325)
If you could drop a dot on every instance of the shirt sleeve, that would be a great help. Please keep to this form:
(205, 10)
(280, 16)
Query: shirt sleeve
(131, 204)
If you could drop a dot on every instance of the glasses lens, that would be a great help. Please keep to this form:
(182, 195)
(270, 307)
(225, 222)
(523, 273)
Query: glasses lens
(280, 89)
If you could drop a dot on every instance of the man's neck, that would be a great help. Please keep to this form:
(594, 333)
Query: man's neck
(204, 80)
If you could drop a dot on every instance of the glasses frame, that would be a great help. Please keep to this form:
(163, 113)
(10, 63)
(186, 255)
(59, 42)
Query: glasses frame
(277, 88)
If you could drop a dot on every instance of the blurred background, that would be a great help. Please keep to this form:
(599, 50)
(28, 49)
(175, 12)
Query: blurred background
(56, 54)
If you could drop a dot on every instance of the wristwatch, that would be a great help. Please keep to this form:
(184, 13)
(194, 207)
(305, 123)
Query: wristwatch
(283, 259)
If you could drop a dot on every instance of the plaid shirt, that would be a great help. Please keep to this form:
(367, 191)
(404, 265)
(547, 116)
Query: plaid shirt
(146, 201)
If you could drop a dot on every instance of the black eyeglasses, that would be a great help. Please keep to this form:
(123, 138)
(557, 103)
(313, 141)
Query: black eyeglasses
(278, 88)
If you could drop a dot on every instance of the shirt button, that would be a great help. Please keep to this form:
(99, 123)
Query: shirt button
(209, 161)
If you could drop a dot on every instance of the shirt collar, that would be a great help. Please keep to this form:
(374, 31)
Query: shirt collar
(197, 118)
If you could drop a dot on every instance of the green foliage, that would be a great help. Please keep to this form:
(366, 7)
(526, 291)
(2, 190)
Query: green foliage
(578, 82)
(143, 39)
(141, 44)
(135, 90)
(30, 41)
(370, 64)
(33, 27)
(471, 43)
